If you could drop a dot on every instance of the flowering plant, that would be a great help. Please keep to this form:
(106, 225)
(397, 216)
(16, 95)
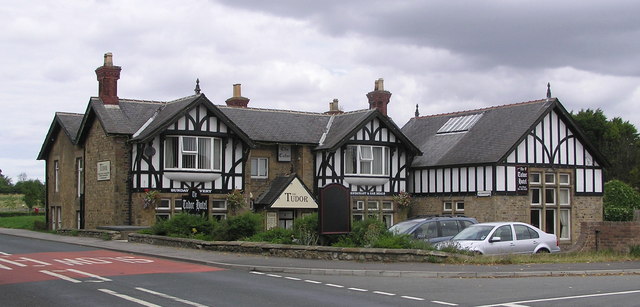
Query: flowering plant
(150, 197)
(403, 199)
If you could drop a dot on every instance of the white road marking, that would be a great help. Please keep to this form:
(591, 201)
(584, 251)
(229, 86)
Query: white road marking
(562, 298)
(273, 275)
(292, 278)
(412, 298)
(75, 281)
(312, 281)
(358, 289)
(444, 303)
(129, 298)
(167, 296)
(99, 278)
(257, 273)
(13, 262)
(334, 285)
(5, 254)
(384, 293)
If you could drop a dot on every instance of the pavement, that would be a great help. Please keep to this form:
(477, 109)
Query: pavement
(251, 262)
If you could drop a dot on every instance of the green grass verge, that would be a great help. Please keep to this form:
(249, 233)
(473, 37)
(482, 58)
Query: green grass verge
(573, 257)
(22, 222)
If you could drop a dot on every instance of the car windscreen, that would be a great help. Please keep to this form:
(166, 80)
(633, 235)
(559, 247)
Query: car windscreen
(473, 233)
(403, 227)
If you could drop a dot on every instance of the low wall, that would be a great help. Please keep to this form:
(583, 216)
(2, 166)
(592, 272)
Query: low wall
(295, 251)
(615, 236)
(93, 233)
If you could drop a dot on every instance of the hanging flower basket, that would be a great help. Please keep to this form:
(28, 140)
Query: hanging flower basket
(149, 198)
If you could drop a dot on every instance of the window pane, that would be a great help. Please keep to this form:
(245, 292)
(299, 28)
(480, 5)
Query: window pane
(171, 152)
(387, 205)
(535, 177)
(535, 218)
(535, 196)
(550, 196)
(366, 153)
(449, 228)
(549, 178)
(204, 153)
(563, 197)
(254, 167)
(564, 178)
(564, 224)
(504, 232)
(365, 167)
(387, 156)
(189, 144)
(377, 160)
(550, 221)
(522, 232)
(448, 206)
(350, 160)
(188, 161)
(262, 169)
(372, 205)
(460, 206)
(217, 154)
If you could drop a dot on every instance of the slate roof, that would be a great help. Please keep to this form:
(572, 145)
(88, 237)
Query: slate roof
(68, 122)
(277, 186)
(490, 139)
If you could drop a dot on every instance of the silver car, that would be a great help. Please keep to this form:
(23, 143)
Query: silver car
(504, 238)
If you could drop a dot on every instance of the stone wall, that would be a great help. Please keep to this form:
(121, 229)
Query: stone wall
(66, 197)
(106, 201)
(295, 251)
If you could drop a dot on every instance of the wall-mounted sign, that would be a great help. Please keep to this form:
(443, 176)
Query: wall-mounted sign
(334, 216)
(295, 196)
(284, 153)
(522, 180)
(104, 170)
(194, 203)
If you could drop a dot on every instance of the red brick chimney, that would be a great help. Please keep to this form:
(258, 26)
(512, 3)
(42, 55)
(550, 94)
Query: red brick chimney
(108, 76)
(379, 98)
(237, 100)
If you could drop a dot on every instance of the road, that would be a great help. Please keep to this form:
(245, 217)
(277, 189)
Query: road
(44, 273)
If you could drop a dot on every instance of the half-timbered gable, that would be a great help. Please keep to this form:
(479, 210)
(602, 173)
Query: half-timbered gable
(526, 162)
(366, 152)
(188, 143)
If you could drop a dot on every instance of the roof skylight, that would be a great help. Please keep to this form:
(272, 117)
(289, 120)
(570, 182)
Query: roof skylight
(459, 124)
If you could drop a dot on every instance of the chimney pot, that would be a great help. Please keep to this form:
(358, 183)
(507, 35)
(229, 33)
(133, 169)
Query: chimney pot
(237, 88)
(237, 100)
(108, 76)
(379, 98)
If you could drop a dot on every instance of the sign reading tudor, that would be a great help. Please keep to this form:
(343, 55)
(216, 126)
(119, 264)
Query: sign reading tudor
(194, 203)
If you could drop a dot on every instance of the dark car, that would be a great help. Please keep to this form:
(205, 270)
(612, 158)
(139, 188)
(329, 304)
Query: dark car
(433, 229)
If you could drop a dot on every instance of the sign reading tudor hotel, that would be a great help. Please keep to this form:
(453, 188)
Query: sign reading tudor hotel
(194, 203)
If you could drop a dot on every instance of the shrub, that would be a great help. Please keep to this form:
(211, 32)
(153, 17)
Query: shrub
(238, 227)
(634, 251)
(305, 230)
(275, 235)
(619, 201)
(363, 234)
(183, 225)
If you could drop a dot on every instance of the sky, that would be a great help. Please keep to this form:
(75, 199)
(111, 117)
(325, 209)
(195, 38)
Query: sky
(444, 56)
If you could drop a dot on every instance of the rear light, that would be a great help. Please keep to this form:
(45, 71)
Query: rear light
(557, 242)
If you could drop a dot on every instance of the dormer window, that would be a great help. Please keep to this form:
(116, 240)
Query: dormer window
(367, 160)
(193, 153)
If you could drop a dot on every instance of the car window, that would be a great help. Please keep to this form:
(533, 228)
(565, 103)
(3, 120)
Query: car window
(464, 224)
(449, 228)
(522, 232)
(504, 232)
(403, 227)
(473, 233)
(427, 230)
(534, 234)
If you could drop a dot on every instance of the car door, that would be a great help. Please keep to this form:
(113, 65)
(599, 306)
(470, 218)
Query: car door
(505, 245)
(527, 239)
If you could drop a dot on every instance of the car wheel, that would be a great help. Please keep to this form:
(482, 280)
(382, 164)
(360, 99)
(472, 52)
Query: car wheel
(542, 251)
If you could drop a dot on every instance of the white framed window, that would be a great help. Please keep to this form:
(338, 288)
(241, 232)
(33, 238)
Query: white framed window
(387, 219)
(359, 205)
(56, 175)
(459, 206)
(372, 205)
(534, 178)
(259, 167)
(387, 205)
(549, 178)
(79, 177)
(193, 153)
(357, 217)
(563, 197)
(447, 206)
(218, 205)
(164, 204)
(565, 224)
(367, 160)
(564, 178)
(535, 196)
(177, 204)
(550, 196)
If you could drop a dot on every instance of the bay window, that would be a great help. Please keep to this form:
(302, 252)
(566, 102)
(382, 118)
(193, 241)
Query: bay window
(367, 160)
(193, 153)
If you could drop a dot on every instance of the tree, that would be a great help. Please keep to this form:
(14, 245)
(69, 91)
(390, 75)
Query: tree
(620, 200)
(5, 184)
(33, 191)
(617, 140)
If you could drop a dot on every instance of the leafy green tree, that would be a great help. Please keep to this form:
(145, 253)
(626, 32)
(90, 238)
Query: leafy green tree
(620, 200)
(5, 184)
(33, 191)
(617, 140)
